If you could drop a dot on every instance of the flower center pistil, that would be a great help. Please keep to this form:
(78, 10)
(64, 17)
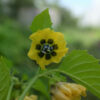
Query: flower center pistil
(46, 49)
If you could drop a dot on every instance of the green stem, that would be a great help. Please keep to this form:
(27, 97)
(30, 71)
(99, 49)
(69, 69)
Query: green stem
(32, 82)
(10, 90)
(29, 86)
(48, 72)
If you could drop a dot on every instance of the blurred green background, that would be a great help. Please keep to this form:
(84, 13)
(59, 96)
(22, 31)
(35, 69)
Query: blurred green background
(16, 17)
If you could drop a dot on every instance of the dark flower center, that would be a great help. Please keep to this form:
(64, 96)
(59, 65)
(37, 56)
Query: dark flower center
(47, 48)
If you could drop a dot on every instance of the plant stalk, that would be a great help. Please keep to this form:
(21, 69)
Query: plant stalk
(29, 85)
(10, 90)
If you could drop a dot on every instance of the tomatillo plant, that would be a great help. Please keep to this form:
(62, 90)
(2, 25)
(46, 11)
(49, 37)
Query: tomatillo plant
(47, 49)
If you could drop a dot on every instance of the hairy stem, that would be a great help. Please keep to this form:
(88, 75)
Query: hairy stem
(29, 85)
(10, 90)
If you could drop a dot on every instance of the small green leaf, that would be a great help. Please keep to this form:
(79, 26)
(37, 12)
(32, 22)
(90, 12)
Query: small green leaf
(4, 79)
(41, 21)
(84, 69)
(42, 85)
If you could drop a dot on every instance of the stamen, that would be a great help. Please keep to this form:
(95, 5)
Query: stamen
(50, 41)
(53, 53)
(43, 41)
(41, 54)
(55, 46)
(38, 47)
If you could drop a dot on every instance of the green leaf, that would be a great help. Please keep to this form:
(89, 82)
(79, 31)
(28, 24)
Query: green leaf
(84, 69)
(4, 79)
(42, 85)
(41, 21)
(8, 63)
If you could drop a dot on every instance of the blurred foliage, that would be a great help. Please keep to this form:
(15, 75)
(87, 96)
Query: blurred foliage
(11, 8)
(4, 78)
(86, 38)
(67, 19)
(14, 44)
(80, 38)
(12, 41)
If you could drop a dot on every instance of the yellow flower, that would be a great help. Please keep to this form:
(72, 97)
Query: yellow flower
(47, 47)
(68, 91)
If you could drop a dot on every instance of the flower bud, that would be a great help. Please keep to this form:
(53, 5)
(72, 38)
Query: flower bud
(68, 91)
